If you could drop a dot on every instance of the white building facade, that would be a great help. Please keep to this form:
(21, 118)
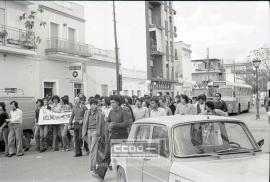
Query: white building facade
(183, 68)
(134, 82)
(63, 64)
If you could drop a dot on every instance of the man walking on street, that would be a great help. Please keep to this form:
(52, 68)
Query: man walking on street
(156, 110)
(77, 115)
(220, 104)
(15, 130)
(93, 126)
(139, 111)
(116, 124)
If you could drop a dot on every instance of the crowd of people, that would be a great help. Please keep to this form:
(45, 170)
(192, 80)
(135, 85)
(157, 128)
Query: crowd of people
(94, 119)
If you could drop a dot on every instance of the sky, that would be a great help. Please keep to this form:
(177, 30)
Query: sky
(229, 29)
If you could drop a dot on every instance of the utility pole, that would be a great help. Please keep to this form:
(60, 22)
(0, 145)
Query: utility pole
(234, 71)
(208, 66)
(116, 52)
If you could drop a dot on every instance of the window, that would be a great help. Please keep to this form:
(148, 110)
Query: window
(104, 90)
(54, 30)
(49, 89)
(161, 133)
(78, 88)
(132, 92)
(71, 38)
(142, 132)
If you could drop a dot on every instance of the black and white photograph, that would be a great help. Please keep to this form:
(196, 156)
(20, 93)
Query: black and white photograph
(134, 91)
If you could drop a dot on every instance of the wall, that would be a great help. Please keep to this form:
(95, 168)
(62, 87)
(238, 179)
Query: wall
(96, 76)
(17, 72)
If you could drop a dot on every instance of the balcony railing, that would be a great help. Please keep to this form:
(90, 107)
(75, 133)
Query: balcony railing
(56, 45)
(17, 38)
(154, 50)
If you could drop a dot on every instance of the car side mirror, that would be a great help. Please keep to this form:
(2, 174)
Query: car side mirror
(261, 143)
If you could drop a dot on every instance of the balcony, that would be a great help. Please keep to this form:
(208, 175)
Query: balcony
(155, 3)
(59, 46)
(154, 50)
(16, 41)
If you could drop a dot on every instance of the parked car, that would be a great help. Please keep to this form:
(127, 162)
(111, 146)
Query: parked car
(193, 149)
(28, 106)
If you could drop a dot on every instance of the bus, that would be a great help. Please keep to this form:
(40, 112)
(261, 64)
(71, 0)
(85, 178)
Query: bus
(238, 97)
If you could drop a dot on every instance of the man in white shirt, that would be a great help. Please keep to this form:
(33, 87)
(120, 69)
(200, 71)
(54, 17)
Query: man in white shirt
(156, 110)
(139, 111)
(15, 130)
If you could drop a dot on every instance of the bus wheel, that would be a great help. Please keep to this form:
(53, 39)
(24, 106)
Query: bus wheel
(239, 109)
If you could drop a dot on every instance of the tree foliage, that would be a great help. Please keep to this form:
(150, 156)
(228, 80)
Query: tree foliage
(30, 21)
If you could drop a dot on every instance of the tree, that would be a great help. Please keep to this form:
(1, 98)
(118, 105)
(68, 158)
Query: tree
(30, 20)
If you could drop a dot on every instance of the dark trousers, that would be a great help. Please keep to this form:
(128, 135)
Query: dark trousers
(77, 138)
(107, 158)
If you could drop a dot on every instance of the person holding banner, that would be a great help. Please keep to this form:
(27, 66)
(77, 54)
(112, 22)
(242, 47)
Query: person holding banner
(77, 115)
(93, 127)
(56, 107)
(39, 142)
(65, 107)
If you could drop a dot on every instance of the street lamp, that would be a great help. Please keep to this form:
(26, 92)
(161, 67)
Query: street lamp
(256, 62)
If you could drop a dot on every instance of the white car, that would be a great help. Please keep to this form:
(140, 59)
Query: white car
(193, 149)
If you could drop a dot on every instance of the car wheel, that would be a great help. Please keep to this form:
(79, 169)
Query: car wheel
(121, 176)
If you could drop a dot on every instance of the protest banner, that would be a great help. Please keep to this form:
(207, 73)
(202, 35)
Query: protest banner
(47, 117)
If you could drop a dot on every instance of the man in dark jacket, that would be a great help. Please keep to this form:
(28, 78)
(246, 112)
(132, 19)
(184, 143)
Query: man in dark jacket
(220, 104)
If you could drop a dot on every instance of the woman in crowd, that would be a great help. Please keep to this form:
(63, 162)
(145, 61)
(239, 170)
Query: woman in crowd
(184, 108)
(56, 107)
(200, 106)
(65, 107)
(39, 143)
(4, 125)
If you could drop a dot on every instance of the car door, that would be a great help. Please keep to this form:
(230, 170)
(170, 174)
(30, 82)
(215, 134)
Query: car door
(157, 168)
(134, 164)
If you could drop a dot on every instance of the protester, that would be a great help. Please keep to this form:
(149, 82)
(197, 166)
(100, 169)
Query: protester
(139, 111)
(170, 104)
(66, 97)
(220, 104)
(117, 125)
(177, 100)
(56, 107)
(65, 107)
(184, 107)
(93, 123)
(15, 130)
(164, 106)
(201, 103)
(4, 125)
(156, 110)
(127, 102)
(106, 108)
(39, 141)
(77, 116)
(210, 110)
(44, 129)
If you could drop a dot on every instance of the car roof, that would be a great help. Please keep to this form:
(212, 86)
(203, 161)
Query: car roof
(178, 119)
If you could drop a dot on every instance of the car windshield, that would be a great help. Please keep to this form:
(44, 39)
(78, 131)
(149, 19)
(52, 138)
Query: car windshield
(217, 137)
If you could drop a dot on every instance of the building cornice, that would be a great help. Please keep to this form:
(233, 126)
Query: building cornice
(61, 13)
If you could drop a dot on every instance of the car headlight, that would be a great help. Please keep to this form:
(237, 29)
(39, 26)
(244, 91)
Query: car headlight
(176, 178)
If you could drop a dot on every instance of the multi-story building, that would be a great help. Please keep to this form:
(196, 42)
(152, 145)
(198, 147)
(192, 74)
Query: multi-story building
(202, 75)
(62, 64)
(160, 33)
(183, 68)
(134, 82)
